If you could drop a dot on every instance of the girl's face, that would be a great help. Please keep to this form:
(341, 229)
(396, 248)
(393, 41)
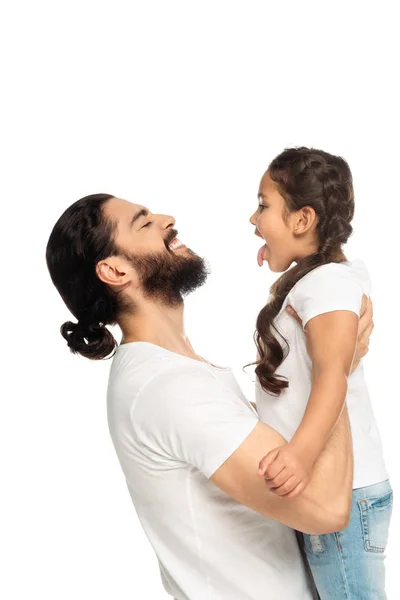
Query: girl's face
(278, 227)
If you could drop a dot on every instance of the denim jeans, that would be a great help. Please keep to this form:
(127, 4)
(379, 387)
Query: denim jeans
(349, 564)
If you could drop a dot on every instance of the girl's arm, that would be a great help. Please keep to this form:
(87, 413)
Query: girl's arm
(331, 343)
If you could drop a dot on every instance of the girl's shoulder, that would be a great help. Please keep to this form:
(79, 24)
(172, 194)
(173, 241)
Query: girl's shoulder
(330, 273)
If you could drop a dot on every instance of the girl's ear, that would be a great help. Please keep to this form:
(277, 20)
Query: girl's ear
(304, 220)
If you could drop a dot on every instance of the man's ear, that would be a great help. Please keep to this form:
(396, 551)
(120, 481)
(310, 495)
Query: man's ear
(114, 271)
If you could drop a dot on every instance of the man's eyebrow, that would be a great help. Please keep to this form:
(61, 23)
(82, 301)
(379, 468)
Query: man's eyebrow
(141, 213)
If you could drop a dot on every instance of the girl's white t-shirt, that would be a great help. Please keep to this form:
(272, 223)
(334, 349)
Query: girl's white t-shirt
(331, 287)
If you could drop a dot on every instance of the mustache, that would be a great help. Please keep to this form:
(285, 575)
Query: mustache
(170, 236)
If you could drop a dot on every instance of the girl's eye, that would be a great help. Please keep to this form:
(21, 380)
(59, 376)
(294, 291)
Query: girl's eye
(261, 207)
(147, 224)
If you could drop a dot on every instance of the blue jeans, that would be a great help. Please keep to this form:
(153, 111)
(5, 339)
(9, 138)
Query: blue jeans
(349, 564)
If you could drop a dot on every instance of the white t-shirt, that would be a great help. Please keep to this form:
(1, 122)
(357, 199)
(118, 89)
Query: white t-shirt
(335, 286)
(174, 421)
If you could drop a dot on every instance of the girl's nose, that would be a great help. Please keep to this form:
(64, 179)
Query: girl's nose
(253, 219)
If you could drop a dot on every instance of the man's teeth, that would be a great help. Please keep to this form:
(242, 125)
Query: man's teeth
(175, 244)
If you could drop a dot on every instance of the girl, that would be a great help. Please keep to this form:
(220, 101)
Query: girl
(306, 205)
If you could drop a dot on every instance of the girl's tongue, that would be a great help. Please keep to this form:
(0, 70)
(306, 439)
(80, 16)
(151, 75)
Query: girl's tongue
(261, 255)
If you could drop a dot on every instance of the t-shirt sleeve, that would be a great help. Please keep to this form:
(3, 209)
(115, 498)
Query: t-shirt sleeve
(188, 415)
(327, 289)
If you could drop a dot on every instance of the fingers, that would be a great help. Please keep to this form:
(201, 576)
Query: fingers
(363, 344)
(370, 308)
(364, 338)
(287, 487)
(367, 307)
(267, 461)
(274, 470)
(366, 315)
(364, 305)
(294, 314)
(364, 334)
(297, 490)
(279, 479)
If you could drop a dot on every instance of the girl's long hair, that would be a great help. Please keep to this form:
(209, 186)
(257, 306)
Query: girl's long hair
(304, 177)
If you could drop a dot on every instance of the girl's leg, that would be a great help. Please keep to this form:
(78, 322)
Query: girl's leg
(310, 580)
(349, 564)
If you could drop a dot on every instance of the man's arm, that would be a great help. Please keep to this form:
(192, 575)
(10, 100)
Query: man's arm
(323, 507)
(325, 503)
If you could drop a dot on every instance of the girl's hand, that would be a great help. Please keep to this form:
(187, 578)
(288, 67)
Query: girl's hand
(285, 471)
(365, 328)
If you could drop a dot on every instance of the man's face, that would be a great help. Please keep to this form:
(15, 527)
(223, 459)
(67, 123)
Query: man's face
(167, 269)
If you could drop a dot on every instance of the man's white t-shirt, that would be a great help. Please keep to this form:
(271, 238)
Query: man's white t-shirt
(331, 287)
(174, 421)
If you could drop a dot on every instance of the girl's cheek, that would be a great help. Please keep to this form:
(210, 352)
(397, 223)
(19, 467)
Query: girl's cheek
(262, 228)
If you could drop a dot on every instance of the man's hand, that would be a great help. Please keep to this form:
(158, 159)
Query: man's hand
(285, 471)
(365, 327)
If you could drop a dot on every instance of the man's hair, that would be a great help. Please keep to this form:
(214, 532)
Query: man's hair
(81, 238)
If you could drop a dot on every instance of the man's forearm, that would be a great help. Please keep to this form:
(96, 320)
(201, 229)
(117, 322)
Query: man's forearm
(330, 487)
(324, 505)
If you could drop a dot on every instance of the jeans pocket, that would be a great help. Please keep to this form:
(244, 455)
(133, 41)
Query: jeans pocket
(375, 520)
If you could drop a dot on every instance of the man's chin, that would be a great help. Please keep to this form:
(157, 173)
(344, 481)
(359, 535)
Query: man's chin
(192, 273)
(171, 278)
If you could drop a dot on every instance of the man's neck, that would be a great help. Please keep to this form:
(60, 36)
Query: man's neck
(160, 325)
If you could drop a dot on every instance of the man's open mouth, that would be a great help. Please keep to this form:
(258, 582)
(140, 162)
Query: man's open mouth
(175, 244)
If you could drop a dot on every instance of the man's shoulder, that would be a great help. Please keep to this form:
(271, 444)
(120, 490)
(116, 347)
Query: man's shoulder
(142, 369)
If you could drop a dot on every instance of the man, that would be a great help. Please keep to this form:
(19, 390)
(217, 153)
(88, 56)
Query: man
(188, 441)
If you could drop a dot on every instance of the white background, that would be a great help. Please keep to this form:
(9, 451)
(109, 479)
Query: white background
(178, 106)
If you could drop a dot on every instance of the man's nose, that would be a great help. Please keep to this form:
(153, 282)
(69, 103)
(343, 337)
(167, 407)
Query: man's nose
(167, 222)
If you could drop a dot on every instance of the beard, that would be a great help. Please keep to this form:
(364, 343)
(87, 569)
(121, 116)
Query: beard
(169, 277)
